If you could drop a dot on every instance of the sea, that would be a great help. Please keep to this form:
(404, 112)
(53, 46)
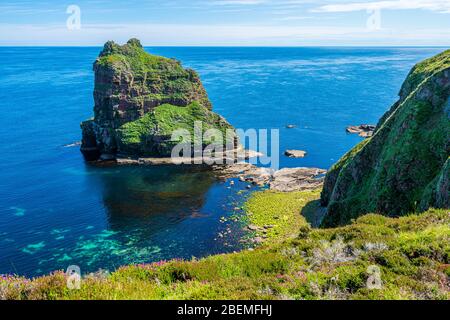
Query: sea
(57, 211)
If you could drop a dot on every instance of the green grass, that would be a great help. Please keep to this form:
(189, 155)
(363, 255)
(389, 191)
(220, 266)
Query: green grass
(397, 171)
(162, 122)
(280, 211)
(413, 254)
(155, 78)
(161, 97)
(133, 56)
(426, 69)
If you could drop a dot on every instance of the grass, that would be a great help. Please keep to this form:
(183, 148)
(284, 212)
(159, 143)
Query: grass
(414, 137)
(412, 253)
(278, 211)
(161, 97)
(426, 69)
(139, 136)
(156, 79)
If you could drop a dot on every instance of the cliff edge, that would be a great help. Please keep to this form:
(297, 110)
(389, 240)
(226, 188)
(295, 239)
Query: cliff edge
(405, 166)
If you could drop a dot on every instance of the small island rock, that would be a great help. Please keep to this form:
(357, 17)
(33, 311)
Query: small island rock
(295, 153)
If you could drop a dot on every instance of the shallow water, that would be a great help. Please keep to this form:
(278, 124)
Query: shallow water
(56, 211)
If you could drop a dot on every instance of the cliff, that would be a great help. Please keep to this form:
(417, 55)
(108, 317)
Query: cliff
(140, 99)
(404, 167)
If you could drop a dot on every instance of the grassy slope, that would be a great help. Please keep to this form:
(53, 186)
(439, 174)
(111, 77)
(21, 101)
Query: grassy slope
(412, 252)
(279, 211)
(166, 119)
(162, 97)
(156, 78)
(414, 136)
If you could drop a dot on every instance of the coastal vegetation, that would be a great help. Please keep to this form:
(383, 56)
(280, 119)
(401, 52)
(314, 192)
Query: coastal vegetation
(140, 100)
(403, 168)
(379, 228)
(297, 262)
(151, 135)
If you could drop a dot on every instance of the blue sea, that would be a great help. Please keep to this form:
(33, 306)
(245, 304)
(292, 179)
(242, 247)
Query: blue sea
(56, 211)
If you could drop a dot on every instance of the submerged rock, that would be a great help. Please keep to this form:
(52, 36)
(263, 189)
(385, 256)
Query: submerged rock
(404, 167)
(140, 100)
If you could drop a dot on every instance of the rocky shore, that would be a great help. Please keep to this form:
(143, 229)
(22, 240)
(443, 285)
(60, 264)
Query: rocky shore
(284, 180)
(363, 130)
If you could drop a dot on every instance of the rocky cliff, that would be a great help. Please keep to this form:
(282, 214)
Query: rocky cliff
(140, 99)
(405, 166)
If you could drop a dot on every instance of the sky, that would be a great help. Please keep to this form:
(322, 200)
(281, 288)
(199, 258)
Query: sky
(226, 22)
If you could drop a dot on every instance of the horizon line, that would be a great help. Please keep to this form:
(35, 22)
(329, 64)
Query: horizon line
(232, 46)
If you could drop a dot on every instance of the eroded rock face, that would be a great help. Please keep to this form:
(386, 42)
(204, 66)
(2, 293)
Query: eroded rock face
(140, 99)
(404, 167)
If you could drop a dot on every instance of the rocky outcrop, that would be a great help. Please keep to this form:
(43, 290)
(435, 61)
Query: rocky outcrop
(140, 99)
(295, 153)
(404, 167)
(363, 130)
(284, 180)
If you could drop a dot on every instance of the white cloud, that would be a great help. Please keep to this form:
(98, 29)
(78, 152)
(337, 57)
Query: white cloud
(432, 5)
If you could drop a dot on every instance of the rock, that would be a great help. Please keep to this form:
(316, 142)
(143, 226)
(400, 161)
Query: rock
(284, 180)
(252, 227)
(364, 130)
(404, 167)
(107, 157)
(295, 153)
(258, 240)
(140, 100)
(297, 179)
(71, 145)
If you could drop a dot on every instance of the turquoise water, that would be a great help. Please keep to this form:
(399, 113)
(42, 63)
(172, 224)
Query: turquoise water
(56, 211)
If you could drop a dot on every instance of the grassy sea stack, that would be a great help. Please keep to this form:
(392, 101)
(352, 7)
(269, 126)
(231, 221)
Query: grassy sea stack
(140, 99)
(405, 166)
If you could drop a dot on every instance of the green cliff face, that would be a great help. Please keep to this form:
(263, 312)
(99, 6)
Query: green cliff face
(132, 91)
(404, 167)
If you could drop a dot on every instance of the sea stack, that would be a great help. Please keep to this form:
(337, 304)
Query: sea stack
(140, 99)
(405, 166)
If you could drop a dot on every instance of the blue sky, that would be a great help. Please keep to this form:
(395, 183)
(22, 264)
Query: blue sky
(229, 22)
